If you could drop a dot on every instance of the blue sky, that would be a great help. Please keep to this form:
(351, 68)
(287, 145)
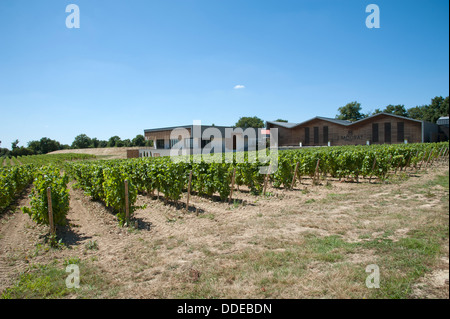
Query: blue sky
(139, 64)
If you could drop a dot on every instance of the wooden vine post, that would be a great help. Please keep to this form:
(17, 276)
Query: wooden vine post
(436, 158)
(295, 175)
(50, 211)
(429, 157)
(440, 152)
(189, 191)
(373, 168)
(265, 183)
(232, 185)
(316, 172)
(415, 163)
(422, 160)
(407, 162)
(127, 208)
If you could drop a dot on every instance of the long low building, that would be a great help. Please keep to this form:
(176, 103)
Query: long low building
(382, 128)
(197, 138)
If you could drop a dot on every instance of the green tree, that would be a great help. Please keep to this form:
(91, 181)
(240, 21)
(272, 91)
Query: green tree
(21, 151)
(431, 113)
(126, 142)
(280, 120)
(81, 141)
(94, 143)
(35, 146)
(377, 111)
(44, 145)
(139, 140)
(417, 112)
(149, 143)
(48, 145)
(114, 141)
(396, 110)
(437, 108)
(350, 112)
(14, 145)
(246, 122)
(4, 152)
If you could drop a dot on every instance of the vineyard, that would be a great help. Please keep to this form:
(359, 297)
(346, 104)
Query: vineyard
(105, 180)
(118, 182)
(39, 160)
(127, 210)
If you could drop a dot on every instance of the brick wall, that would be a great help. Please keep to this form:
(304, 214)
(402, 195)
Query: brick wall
(355, 134)
(132, 153)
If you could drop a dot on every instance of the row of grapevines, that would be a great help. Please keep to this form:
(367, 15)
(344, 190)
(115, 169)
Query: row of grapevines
(44, 177)
(52, 159)
(105, 181)
(353, 161)
(13, 180)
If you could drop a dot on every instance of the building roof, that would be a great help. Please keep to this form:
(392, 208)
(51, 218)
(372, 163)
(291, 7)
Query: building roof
(388, 114)
(181, 126)
(292, 125)
(283, 124)
(442, 120)
(166, 128)
(337, 121)
(340, 122)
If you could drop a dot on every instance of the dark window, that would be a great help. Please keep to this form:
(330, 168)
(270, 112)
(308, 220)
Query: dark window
(400, 131)
(375, 132)
(316, 135)
(306, 135)
(325, 134)
(234, 142)
(205, 142)
(160, 144)
(188, 143)
(387, 132)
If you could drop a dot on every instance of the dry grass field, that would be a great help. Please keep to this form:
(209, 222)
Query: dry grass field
(107, 152)
(311, 242)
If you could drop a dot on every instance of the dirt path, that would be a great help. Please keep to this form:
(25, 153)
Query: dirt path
(18, 236)
(171, 251)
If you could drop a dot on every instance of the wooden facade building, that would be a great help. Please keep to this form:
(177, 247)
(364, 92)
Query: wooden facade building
(382, 128)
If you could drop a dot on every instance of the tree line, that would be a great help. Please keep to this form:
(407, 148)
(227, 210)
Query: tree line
(46, 145)
(438, 107)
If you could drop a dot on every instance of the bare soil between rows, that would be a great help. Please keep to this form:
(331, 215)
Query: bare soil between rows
(215, 249)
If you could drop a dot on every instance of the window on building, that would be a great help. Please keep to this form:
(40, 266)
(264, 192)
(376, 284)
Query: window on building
(306, 135)
(375, 133)
(160, 144)
(387, 132)
(325, 134)
(173, 142)
(400, 131)
(205, 142)
(188, 143)
(316, 135)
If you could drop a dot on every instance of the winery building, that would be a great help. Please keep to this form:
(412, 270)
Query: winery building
(382, 128)
(198, 138)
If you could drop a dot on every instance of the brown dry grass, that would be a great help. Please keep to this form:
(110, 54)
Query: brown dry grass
(107, 152)
(312, 242)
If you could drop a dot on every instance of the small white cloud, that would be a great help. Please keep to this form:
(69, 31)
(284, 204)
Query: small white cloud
(238, 87)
